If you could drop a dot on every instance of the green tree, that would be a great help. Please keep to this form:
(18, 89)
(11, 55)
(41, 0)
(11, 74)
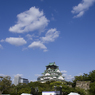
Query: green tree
(77, 78)
(86, 77)
(92, 88)
(80, 91)
(5, 84)
(24, 90)
(66, 89)
(92, 76)
(13, 90)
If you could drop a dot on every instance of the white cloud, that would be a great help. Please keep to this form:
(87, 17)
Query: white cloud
(37, 44)
(45, 50)
(1, 46)
(2, 40)
(30, 20)
(64, 71)
(30, 37)
(33, 80)
(18, 75)
(79, 74)
(68, 77)
(24, 48)
(50, 36)
(37, 75)
(52, 18)
(15, 41)
(82, 7)
(3, 75)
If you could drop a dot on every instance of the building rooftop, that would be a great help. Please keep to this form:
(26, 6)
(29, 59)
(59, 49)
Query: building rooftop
(52, 63)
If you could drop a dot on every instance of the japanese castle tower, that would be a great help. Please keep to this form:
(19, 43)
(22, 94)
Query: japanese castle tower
(51, 73)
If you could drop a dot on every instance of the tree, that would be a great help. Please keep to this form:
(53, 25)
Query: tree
(66, 89)
(86, 77)
(77, 78)
(5, 83)
(92, 88)
(24, 90)
(80, 91)
(92, 76)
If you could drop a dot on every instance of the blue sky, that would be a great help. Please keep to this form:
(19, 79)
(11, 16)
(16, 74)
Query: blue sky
(36, 32)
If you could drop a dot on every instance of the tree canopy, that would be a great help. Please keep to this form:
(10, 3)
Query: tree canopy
(6, 86)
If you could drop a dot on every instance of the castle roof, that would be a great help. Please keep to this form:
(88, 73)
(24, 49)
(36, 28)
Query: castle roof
(52, 64)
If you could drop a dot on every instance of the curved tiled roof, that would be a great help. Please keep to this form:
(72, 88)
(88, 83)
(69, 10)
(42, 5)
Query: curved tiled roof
(53, 63)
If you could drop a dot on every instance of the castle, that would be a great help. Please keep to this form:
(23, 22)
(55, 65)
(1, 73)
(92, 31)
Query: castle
(52, 73)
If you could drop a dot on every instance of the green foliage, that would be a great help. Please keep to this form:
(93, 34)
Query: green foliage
(24, 90)
(5, 84)
(66, 89)
(68, 82)
(77, 78)
(80, 91)
(87, 77)
(92, 88)
(92, 76)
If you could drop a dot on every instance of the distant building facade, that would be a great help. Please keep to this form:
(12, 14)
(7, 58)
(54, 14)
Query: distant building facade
(23, 80)
(52, 73)
(18, 79)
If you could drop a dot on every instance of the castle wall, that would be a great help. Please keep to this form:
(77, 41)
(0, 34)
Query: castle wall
(83, 84)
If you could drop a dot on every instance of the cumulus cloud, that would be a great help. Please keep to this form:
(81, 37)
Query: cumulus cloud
(29, 36)
(24, 48)
(79, 74)
(37, 44)
(37, 75)
(1, 46)
(30, 20)
(2, 40)
(15, 41)
(33, 80)
(18, 75)
(45, 50)
(64, 71)
(67, 77)
(50, 36)
(82, 7)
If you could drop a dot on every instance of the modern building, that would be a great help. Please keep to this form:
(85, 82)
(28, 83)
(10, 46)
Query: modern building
(23, 80)
(18, 79)
(52, 73)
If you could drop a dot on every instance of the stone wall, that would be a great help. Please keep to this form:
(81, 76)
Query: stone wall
(83, 84)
